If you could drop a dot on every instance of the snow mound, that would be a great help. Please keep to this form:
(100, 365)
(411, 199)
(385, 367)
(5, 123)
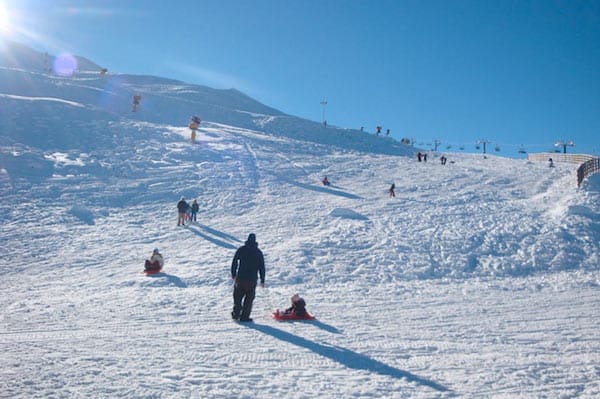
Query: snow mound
(346, 213)
(82, 213)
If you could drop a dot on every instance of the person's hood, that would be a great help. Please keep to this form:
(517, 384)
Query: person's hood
(251, 241)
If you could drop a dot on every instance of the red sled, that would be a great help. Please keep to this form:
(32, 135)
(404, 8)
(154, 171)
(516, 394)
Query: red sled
(152, 271)
(282, 316)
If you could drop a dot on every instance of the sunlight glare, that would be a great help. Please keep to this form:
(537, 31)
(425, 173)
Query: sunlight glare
(4, 19)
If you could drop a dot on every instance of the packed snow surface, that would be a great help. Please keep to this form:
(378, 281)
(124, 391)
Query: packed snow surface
(479, 279)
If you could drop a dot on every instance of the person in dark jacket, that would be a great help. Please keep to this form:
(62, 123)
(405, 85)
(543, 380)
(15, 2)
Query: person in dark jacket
(248, 263)
(195, 209)
(182, 207)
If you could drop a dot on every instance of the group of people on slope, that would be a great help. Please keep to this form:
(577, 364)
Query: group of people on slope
(247, 267)
(186, 212)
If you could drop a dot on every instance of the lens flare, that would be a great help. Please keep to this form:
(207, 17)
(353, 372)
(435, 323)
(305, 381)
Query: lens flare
(4, 19)
(65, 65)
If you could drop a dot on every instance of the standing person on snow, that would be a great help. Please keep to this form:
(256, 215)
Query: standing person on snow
(392, 190)
(248, 262)
(195, 209)
(181, 210)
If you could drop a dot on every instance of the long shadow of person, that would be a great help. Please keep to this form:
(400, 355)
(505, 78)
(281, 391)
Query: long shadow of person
(324, 326)
(347, 357)
(217, 241)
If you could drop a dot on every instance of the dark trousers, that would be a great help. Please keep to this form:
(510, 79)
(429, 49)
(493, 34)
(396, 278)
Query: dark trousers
(243, 295)
(152, 265)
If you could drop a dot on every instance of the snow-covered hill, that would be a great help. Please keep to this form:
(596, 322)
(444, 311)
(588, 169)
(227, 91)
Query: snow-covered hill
(479, 279)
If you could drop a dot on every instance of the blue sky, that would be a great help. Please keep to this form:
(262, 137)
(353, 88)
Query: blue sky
(510, 72)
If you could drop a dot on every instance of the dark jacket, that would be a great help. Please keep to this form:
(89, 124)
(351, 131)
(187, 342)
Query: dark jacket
(182, 206)
(195, 207)
(248, 263)
(298, 307)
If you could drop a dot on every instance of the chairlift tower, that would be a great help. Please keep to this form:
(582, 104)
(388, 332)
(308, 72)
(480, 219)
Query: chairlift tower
(484, 142)
(436, 143)
(564, 144)
(324, 103)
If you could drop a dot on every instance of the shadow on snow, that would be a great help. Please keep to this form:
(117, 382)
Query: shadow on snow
(316, 323)
(204, 231)
(218, 233)
(347, 357)
(171, 279)
(326, 190)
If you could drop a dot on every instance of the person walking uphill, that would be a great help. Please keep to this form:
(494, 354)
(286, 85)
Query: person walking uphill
(248, 263)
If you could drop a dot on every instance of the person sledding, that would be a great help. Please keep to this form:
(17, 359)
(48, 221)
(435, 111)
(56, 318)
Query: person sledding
(295, 312)
(155, 263)
(326, 181)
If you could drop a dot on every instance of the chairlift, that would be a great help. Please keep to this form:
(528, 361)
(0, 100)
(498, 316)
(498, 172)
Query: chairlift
(448, 147)
(497, 148)
(522, 150)
(461, 148)
(477, 147)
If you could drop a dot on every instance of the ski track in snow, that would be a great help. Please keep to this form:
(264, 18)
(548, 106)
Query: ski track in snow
(480, 279)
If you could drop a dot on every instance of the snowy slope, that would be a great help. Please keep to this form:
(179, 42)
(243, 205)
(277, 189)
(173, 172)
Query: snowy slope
(480, 279)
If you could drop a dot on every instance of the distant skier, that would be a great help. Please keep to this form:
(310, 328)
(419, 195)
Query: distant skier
(378, 130)
(443, 160)
(194, 125)
(136, 102)
(155, 263)
(550, 162)
(195, 209)
(248, 263)
(419, 156)
(325, 181)
(181, 210)
(392, 190)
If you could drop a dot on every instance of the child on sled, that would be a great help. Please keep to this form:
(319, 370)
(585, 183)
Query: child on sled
(155, 263)
(298, 306)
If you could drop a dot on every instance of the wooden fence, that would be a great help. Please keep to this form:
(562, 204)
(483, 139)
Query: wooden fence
(560, 157)
(588, 164)
(586, 169)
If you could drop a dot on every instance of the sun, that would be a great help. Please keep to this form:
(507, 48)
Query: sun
(4, 19)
